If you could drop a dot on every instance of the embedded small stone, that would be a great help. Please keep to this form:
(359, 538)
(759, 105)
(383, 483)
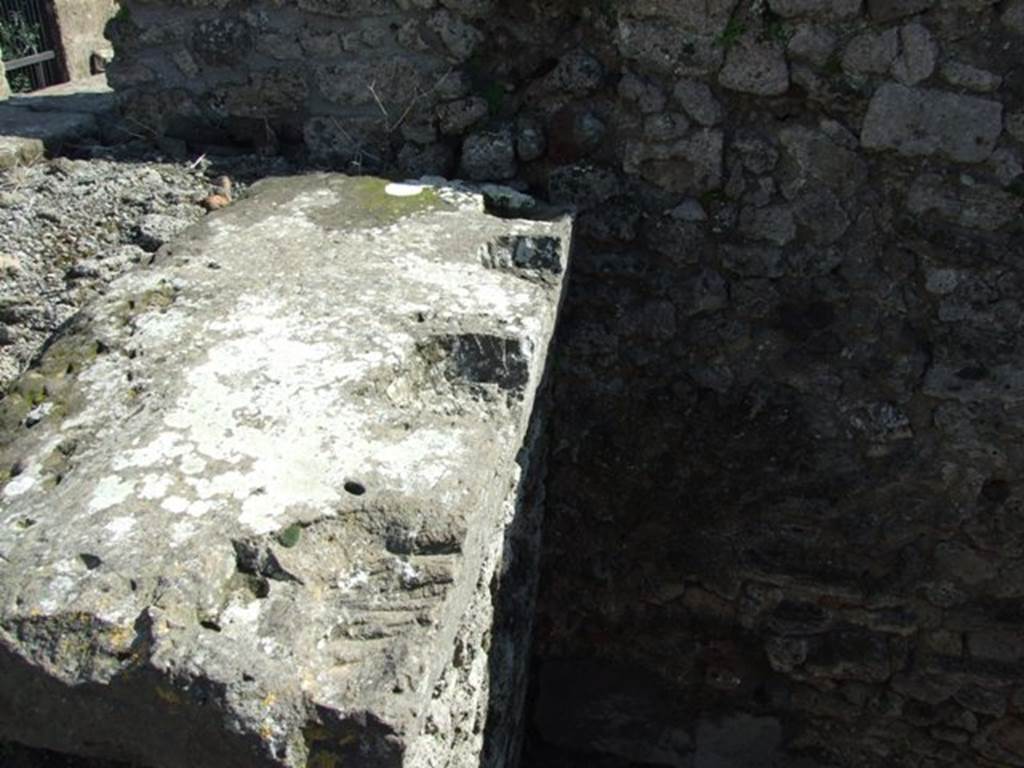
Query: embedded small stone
(488, 156)
(918, 53)
(578, 73)
(698, 101)
(460, 38)
(888, 10)
(531, 143)
(825, 9)
(871, 53)
(755, 68)
(773, 223)
(666, 126)
(645, 94)
(962, 75)
(155, 229)
(689, 210)
(813, 43)
(456, 116)
(1013, 16)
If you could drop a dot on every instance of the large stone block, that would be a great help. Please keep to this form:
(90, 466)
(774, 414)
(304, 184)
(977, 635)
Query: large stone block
(920, 121)
(261, 502)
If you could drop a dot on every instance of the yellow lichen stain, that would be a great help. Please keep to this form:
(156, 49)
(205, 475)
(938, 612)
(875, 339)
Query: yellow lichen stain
(155, 298)
(169, 695)
(269, 700)
(323, 760)
(50, 380)
(325, 746)
(315, 733)
(121, 638)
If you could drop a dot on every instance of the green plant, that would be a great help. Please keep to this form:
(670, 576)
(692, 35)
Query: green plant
(608, 9)
(732, 33)
(494, 95)
(18, 38)
(834, 66)
(774, 29)
(19, 82)
(710, 197)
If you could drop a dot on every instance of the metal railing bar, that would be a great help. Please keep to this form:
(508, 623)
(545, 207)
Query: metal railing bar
(28, 61)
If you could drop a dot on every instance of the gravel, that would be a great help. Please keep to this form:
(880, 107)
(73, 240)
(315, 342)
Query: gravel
(68, 227)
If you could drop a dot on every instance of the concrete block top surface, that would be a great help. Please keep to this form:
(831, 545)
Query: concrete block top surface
(250, 490)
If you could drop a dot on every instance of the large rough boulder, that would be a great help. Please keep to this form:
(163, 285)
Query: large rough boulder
(260, 502)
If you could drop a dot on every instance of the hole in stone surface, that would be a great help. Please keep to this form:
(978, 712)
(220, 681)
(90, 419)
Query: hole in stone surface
(536, 253)
(91, 561)
(356, 489)
(995, 490)
(259, 586)
(258, 564)
(477, 358)
(972, 373)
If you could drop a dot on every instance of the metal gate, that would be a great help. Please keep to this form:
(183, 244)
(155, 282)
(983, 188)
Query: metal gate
(30, 44)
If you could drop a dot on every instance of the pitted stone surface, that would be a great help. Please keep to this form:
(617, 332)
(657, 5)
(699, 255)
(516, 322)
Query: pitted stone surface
(257, 494)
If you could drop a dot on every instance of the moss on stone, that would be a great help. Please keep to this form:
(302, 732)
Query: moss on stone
(290, 536)
(52, 379)
(366, 204)
(13, 410)
(67, 356)
(154, 299)
(57, 464)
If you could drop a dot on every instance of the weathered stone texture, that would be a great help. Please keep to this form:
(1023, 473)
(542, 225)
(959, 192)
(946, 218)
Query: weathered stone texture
(757, 69)
(277, 521)
(788, 387)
